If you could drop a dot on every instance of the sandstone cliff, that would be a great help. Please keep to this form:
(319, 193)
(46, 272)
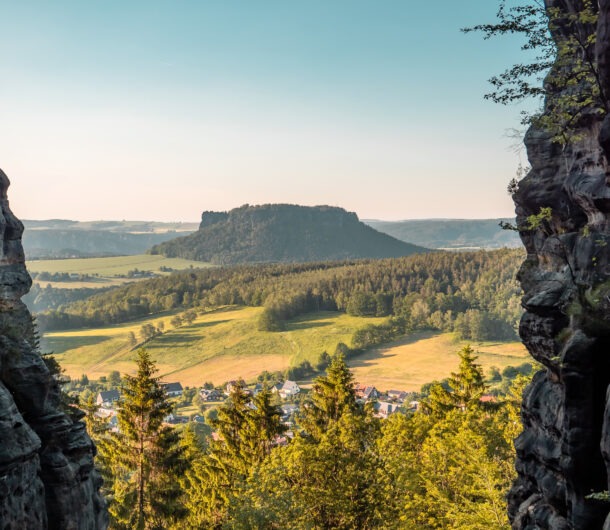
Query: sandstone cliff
(47, 478)
(564, 452)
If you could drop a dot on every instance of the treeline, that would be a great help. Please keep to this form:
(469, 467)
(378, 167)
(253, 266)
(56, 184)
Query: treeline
(41, 299)
(472, 293)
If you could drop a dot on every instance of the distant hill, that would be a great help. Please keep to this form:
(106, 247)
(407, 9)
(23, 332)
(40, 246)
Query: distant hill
(61, 238)
(450, 233)
(283, 233)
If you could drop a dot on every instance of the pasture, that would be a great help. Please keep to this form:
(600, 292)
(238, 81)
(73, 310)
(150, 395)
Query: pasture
(225, 344)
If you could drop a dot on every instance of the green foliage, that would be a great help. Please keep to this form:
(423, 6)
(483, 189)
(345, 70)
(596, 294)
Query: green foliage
(465, 387)
(541, 219)
(428, 291)
(141, 462)
(564, 70)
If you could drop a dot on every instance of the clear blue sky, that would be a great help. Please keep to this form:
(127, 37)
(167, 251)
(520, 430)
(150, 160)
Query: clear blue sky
(161, 109)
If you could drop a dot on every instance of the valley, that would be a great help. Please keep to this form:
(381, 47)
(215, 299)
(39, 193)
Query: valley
(225, 344)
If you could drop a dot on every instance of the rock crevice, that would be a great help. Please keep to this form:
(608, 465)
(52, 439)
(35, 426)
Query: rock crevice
(47, 477)
(563, 455)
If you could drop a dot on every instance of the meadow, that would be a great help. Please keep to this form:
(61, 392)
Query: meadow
(109, 270)
(225, 344)
(427, 356)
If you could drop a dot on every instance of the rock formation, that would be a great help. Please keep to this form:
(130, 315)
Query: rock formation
(283, 233)
(47, 478)
(563, 455)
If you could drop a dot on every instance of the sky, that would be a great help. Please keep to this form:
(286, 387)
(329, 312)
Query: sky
(159, 110)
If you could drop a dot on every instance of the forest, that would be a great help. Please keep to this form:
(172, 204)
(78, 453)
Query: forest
(447, 465)
(474, 294)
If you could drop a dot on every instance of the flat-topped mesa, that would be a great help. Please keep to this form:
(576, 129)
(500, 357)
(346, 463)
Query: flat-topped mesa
(47, 478)
(564, 450)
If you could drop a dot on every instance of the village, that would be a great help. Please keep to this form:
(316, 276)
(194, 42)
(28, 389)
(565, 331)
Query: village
(198, 405)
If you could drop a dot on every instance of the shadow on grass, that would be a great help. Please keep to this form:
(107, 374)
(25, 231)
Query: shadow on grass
(63, 344)
(293, 326)
(200, 325)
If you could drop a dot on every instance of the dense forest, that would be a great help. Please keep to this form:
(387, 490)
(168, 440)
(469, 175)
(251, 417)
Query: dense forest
(283, 233)
(472, 293)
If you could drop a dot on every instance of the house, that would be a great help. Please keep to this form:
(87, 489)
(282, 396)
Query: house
(172, 389)
(174, 419)
(365, 393)
(276, 387)
(210, 395)
(384, 408)
(288, 410)
(289, 389)
(397, 395)
(107, 398)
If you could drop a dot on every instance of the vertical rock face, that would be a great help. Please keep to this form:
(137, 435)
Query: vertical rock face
(563, 454)
(47, 478)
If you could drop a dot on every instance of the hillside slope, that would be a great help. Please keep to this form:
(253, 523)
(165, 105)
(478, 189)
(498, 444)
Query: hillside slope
(62, 238)
(450, 233)
(283, 233)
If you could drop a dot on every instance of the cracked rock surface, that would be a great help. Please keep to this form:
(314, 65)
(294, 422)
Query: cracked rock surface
(563, 455)
(47, 477)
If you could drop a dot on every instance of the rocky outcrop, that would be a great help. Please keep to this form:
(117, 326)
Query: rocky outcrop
(563, 455)
(47, 478)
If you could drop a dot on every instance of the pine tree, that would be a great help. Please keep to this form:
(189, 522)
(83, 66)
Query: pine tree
(332, 396)
(144, 458)
(466, 387)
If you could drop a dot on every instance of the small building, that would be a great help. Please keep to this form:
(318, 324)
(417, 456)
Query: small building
(288, 410)
(397, 395)
(289, 389)
(384, 408)
(210, 395)
(365, 393)
(172, 389)
(276, 387)
(107, 398)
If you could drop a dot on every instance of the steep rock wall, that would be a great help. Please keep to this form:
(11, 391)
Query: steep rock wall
(47, 478)
(564, 451)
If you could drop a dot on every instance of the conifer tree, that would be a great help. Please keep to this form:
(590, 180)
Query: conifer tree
(332, 396)
(144, 458)
(466, 387)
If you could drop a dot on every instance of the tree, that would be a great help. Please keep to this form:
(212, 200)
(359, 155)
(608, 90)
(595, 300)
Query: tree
(332, 396)
(466, 386)
(144, 458)
(564, 70)
(114, 379)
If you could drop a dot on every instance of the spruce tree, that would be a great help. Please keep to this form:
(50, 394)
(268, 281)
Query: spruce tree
(466, 387)
(144, 458)
(332, 396)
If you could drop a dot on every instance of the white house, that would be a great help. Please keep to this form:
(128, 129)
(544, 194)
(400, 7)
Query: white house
(172, 389)
(107, 398)
(289, 389)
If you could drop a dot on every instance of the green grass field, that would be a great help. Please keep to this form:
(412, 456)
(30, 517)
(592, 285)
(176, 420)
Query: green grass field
(225, 344)
(108, 270)
(218, 346)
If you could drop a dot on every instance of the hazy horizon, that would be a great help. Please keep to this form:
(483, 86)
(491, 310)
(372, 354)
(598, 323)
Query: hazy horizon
(143, 110)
